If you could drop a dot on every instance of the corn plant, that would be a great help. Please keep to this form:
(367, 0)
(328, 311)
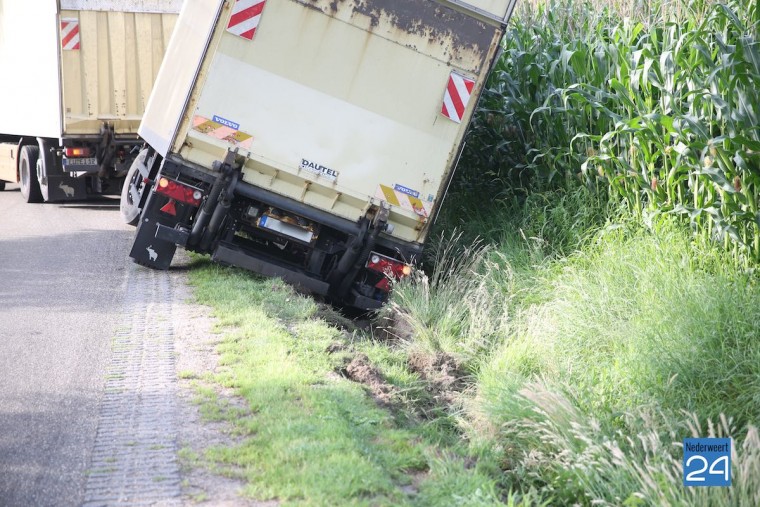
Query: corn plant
(660, 107)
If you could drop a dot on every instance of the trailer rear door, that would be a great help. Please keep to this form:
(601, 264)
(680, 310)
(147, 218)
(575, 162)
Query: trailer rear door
(336, 104)
(111, 51)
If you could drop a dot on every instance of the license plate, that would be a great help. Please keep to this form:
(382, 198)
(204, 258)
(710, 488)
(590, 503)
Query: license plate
(80, 161)
(286, 229)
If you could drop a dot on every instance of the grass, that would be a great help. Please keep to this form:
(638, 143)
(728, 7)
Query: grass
(614, 343)
(581, 359)
(638, 320)
(310, 435)
(564, 339)
(619, 159)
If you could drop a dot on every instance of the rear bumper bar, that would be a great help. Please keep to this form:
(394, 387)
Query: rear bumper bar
(231, 255)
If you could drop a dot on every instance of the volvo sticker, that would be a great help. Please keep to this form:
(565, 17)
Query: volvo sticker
(226, 122)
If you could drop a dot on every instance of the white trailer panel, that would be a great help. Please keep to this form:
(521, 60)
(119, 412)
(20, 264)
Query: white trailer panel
(155, 6)
(68, 71)
(176, 78)
(30, 97)
(499, 8)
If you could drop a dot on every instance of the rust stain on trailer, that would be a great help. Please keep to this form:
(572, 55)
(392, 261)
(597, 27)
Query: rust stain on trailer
(424, 26)
(428, 19)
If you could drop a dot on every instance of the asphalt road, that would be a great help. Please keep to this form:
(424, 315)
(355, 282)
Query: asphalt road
(62, 282)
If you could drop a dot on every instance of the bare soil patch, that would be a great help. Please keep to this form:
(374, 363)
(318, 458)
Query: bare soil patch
(442, 373)
(359, 369)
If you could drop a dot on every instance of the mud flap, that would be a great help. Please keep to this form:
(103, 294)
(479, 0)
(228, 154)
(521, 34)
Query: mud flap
(62, 188)
(147, 249)
(55, 185)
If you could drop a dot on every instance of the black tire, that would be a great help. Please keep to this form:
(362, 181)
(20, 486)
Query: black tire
(2, 186)
(27, 174)
(133, 190)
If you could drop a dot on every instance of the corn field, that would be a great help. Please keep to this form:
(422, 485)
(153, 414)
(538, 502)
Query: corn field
(657, 104)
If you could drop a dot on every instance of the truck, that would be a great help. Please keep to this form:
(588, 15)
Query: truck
(311, 140)
(77, 75)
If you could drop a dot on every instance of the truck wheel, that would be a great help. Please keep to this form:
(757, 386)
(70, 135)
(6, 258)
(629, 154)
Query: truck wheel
(133, 189)
(2, 186)
(27, 168)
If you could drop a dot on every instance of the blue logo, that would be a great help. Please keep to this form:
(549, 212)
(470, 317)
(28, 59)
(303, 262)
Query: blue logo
(707, 462)
(226, 123)
(407, 191)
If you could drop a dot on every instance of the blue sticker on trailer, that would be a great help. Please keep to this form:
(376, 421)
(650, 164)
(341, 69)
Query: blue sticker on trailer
(405, 190)
(226, 123)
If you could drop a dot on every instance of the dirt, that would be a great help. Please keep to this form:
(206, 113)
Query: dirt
(195, 349)
(359, 369)
(440, 368)
(442, 373)
(393, 325)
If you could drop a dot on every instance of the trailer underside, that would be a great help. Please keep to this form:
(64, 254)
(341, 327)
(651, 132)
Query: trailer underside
(241, 225)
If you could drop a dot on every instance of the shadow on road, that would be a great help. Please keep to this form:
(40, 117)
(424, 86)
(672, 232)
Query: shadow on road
(42, 461)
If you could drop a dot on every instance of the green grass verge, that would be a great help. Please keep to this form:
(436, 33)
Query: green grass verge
(309, 435)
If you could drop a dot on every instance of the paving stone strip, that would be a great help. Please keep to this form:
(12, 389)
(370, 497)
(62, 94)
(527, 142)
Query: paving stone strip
(134, 459)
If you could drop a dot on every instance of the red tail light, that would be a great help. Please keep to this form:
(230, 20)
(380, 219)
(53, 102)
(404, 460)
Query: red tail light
(388, 266)
(179, 191)
(77, 152)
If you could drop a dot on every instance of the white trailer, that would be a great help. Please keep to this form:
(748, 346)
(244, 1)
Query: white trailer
(77, 75)
(310, 139)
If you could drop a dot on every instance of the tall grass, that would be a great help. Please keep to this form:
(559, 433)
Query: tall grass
(451, 310)
(603, 361)
(621, 145)
(577, 461)
(644, 319)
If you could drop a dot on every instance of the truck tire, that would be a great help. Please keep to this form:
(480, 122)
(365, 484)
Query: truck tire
(133, 189)
(2, 186)
(27, 172)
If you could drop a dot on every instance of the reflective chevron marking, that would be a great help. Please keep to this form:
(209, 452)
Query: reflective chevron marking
(456, 97)
(70, 34)
(246, 15)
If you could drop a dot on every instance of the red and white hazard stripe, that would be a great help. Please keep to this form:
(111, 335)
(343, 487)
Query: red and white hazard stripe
(69, 34)
(458, 93)
(246, 15)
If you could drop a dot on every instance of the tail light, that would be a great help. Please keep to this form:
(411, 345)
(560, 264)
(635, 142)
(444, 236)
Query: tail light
(179, 191)
(392, 269)
(77, 152)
